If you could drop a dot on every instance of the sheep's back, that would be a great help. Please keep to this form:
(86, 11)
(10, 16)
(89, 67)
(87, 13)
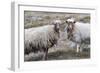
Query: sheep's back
(40, 37)
(81, 32)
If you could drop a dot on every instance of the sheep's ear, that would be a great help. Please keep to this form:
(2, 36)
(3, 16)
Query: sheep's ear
(66, 21)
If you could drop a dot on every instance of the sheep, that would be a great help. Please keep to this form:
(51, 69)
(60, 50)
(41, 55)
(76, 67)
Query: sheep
(41, 38)
(78, 32)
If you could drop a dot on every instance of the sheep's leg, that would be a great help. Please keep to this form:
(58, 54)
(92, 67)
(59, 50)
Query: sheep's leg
(77, 48)
(45, 54)
(81, 46)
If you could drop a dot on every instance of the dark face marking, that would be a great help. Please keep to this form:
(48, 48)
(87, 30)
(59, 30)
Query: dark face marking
(70, 29)
(56, 27)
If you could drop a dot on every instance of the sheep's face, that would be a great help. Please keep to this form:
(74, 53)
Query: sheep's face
(57, 24)
(70, 28)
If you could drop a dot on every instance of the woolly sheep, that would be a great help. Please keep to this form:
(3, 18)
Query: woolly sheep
(41, 38)
(78, 32)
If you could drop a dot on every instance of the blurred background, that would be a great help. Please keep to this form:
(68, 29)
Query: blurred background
(34, 19)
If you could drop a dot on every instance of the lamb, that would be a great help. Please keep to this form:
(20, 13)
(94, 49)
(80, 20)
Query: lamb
(78, 32)
(41, 38)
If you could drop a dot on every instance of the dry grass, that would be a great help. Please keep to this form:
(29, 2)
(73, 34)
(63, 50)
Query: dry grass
(34, 19)
(59, 55)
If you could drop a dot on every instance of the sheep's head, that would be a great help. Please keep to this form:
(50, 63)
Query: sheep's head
(70, 27)
(57, 24)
